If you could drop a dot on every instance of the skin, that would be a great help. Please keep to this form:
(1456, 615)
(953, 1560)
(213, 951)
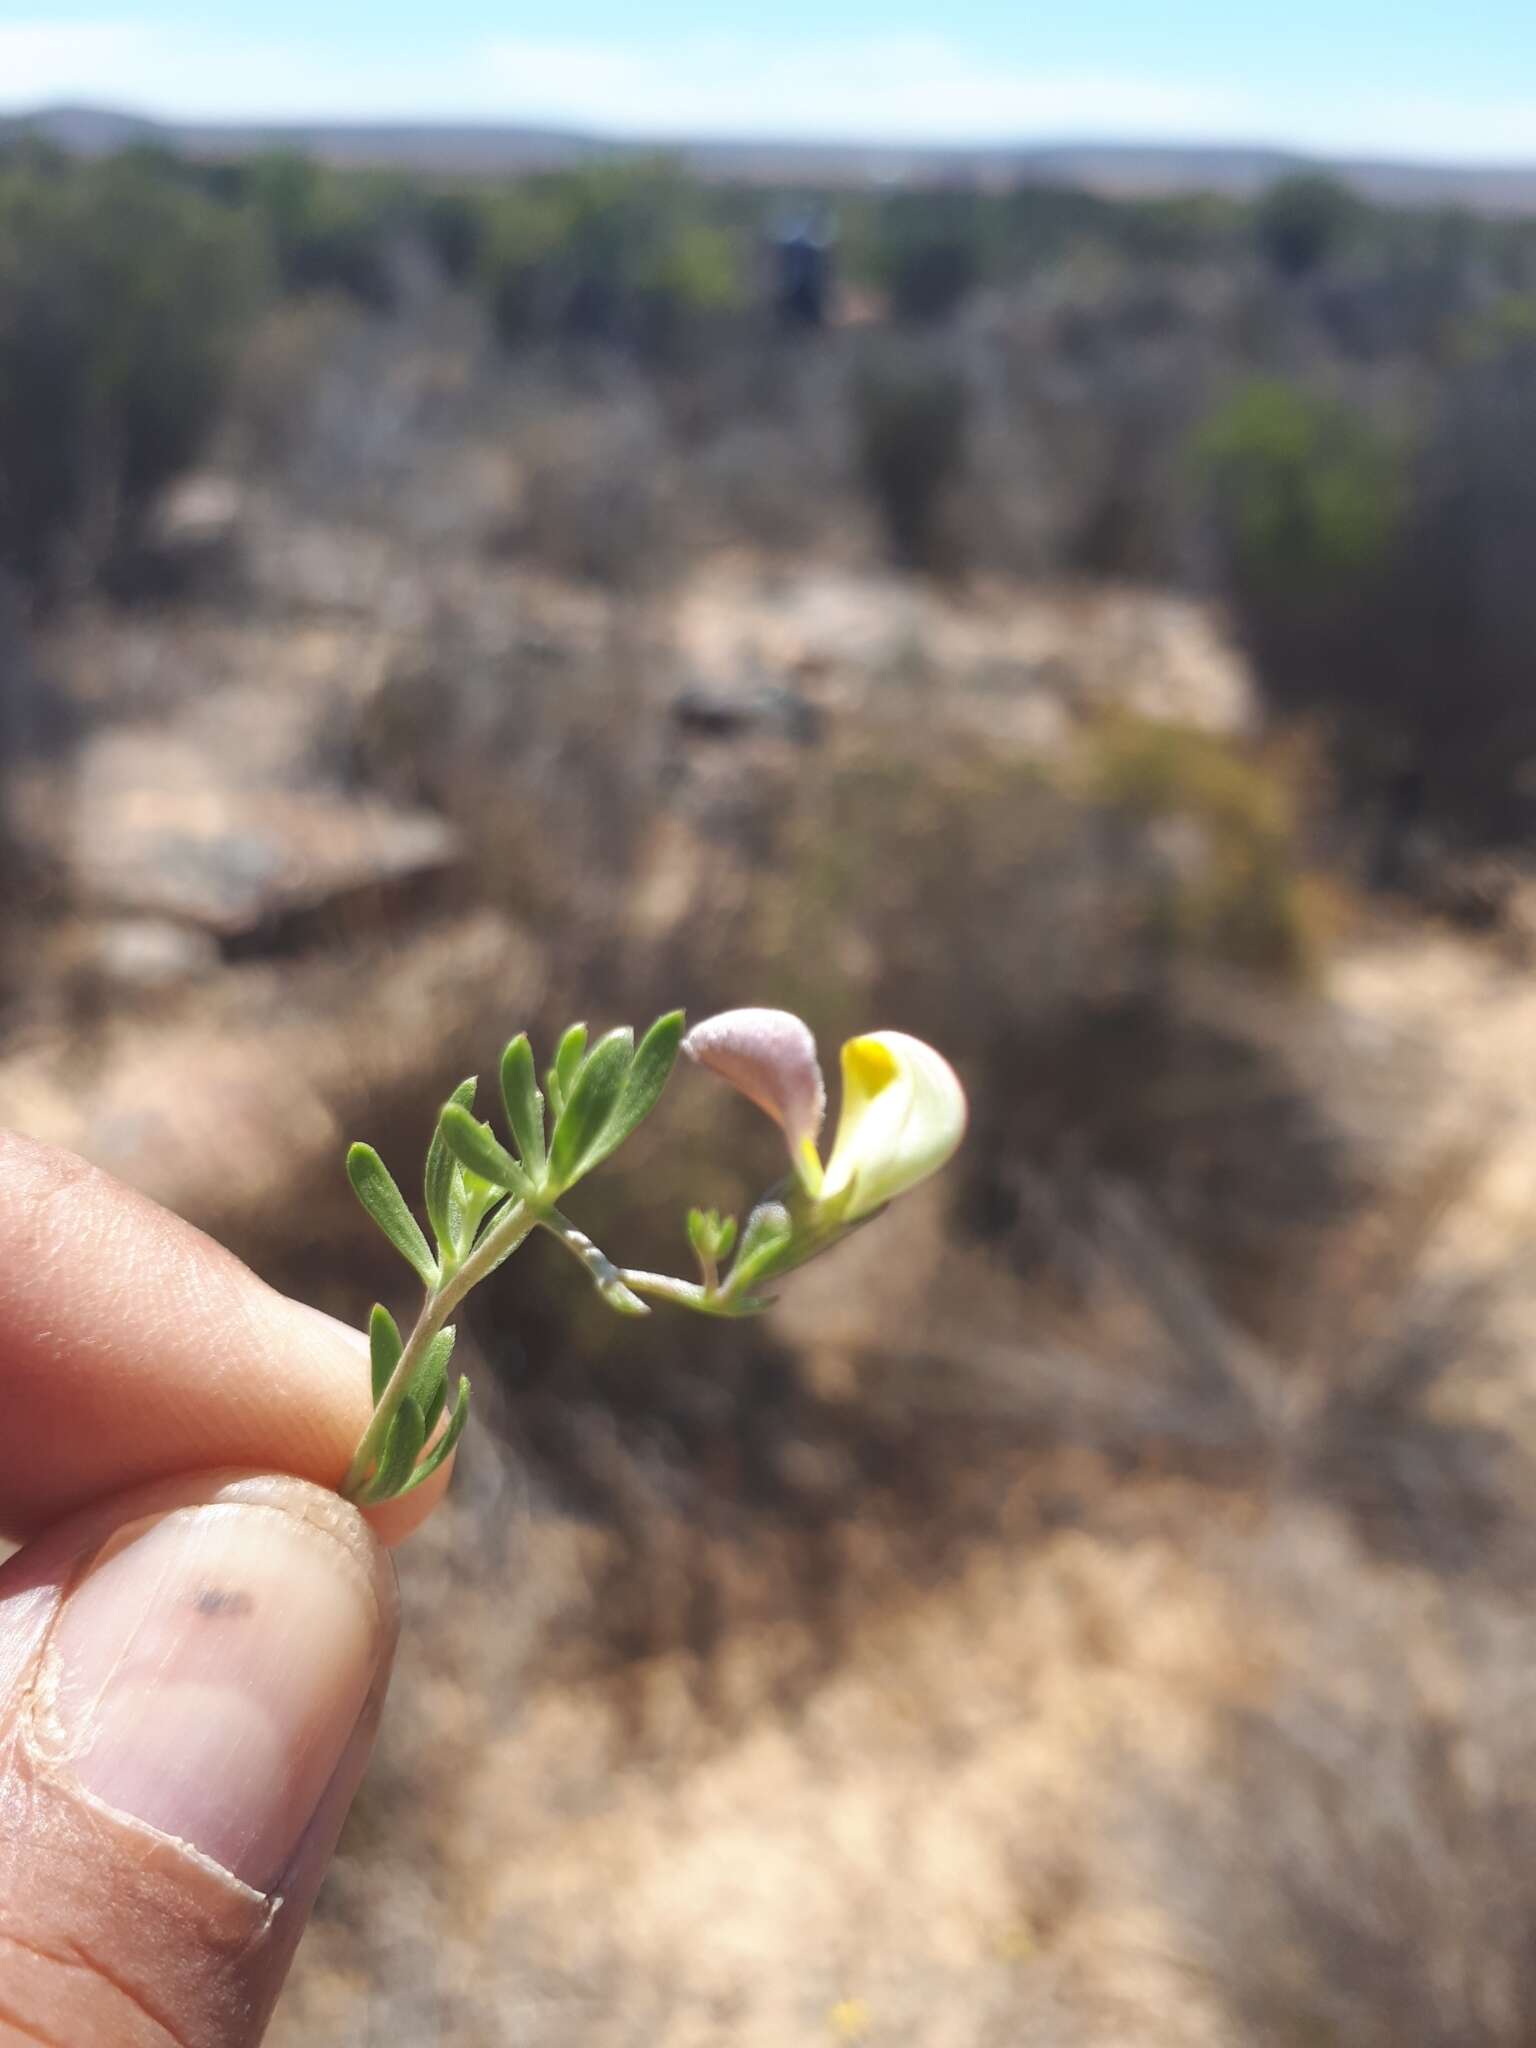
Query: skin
(170, 1432)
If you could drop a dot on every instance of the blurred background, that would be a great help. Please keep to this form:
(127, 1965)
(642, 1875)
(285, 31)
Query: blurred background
(1019, 532)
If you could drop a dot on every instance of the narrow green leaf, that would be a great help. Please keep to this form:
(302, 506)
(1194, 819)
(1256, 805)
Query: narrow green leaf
(524, 1103)
(649, 1071)
(561, 1077)
(384, 1347)
(473, 1197)
(402, 1447)
(374, 1187)
(711, 1236)
(443, 1448)
(439, 1182)
(429, 1380)
(592, 1102)
(768, 1235)
(475, 1146)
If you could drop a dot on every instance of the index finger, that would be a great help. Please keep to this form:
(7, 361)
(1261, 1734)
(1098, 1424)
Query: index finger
(132, 1347)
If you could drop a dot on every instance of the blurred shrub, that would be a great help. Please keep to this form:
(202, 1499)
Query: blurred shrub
(328, 231)
(1302, 221)
(272, 410)
(455, 228)
(121, 300)
(910, 420)
(930, 254)
(1180, 228)
(1307, 507)
(1307, 496)
(595, 501)
(620, 254)
(1235, 886)
(1462, 625)
(1389, 587)
(1506, 330)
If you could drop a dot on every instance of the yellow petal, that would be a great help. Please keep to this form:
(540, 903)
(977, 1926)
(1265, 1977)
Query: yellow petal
(903, 1114)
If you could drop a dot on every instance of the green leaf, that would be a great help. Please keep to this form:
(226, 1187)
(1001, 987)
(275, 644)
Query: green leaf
(475, 1146)
(374, 1187)
(711, 1236)
(384, 1348)
(648, 1074)
(470, 1203)
(402, 1447)
(524, 1103)
(429, 1380)
(768, 1235)
(439, 1182)
(589, 1107)
(561, 1077)
(443, 1448)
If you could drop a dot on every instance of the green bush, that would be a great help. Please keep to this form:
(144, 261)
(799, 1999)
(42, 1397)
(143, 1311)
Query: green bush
(1243, 895)
(328, 231)
(627, 255)
(910, 422)
(1388, 585)
(1306, 495)
(455, 227)
(1302, 221)
(929, 254)
(1462, 618)
(122, 296)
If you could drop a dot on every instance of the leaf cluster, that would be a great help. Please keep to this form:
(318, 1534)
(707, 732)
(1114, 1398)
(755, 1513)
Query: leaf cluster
(481, 1197)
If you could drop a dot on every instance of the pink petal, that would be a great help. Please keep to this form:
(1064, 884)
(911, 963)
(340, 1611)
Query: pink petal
(771, 1057)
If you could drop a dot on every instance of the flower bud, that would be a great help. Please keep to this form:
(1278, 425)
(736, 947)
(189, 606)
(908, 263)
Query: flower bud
(771, 1057)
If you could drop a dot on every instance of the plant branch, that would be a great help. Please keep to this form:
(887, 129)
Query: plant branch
(511, 1225)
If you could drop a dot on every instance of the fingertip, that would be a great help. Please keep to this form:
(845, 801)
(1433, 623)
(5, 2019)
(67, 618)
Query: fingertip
(190, 1679)
(159, 1353)
(393, 1520)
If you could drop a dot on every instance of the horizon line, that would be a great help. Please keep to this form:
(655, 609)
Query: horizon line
(575, 131)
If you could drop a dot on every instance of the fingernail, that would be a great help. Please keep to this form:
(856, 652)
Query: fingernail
(209, 1670)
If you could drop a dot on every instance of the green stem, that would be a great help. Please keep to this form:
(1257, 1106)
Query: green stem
(608, 1276)
(499, 1242)
(687, 1293)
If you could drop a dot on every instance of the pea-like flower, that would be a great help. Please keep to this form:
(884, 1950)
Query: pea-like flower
(903, 1114)
(903, 1109)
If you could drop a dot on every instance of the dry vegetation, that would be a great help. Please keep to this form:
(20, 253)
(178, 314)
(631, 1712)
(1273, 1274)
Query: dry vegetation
(1095, 1608)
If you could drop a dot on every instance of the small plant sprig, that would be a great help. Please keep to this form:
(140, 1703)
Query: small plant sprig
(903, 1114)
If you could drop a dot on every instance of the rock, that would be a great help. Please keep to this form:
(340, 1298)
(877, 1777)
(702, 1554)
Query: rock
(254, 868)
(144, 954)
(191, 543)
(232, 1100)
(724, 714)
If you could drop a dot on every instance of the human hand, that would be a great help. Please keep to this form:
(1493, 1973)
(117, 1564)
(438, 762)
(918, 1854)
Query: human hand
(196, 1636)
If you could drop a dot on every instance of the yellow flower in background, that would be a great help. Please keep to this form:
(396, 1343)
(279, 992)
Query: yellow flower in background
(903, 1109)
(849, 2019)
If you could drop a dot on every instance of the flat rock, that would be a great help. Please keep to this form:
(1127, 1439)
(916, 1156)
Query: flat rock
(153, 836)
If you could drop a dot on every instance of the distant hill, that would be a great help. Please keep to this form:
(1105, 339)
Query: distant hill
(1117, 170)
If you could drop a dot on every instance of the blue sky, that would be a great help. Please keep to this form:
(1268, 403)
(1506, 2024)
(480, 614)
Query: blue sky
(1419, 78)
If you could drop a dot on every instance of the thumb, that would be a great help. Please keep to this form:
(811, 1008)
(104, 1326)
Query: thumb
(189, 1682)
